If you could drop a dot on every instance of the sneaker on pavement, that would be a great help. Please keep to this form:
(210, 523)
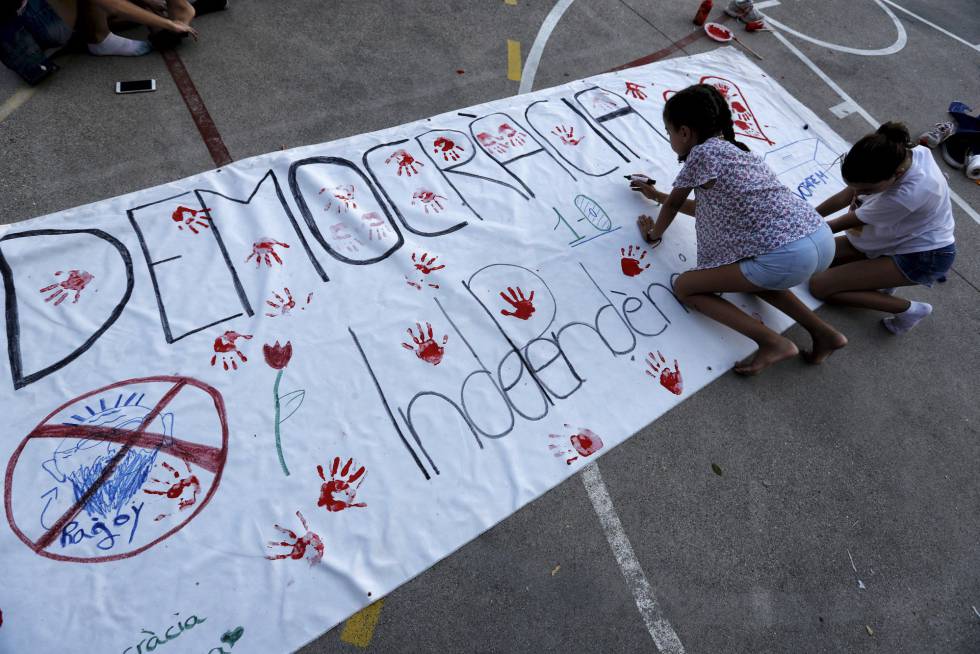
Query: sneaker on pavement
(937, 134)
(743, 10)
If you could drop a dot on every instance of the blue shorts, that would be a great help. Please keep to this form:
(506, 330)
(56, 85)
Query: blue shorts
(926, 267)
(24, 38)
(793, 263)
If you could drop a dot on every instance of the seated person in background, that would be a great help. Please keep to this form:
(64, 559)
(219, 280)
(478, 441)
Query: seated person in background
(901, 234)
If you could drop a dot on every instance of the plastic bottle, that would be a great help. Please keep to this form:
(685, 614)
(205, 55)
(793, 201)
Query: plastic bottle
(703, 12)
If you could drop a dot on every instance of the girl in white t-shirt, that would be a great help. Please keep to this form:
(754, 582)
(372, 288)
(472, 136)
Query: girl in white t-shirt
(899, 228)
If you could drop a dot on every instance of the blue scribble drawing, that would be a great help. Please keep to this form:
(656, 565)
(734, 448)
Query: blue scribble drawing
(805, 165)
(591, 212)
(79, 462)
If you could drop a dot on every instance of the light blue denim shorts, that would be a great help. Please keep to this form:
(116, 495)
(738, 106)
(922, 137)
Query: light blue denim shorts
(793, 263)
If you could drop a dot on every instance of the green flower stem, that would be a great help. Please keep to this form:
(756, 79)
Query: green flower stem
(275, 393)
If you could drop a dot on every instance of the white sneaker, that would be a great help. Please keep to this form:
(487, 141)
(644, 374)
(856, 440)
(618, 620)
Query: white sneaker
(937, 134)
(743, 10)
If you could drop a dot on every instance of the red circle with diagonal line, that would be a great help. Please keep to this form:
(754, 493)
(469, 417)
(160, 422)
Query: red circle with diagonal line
(207, 458)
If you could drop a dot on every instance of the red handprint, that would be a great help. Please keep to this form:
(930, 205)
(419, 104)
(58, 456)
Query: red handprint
(265, 251)
(174, 490)
(75, 283)
(585, 443)
(186, 216)
(630, 264)
(376, 225)
(406, 162)
(299, 544)
(425, 346)
(523, 307)
(490, 142)
(428, 199)
(344, 196)
(338, 493)
(514, 137)
(340, 233)
(601, 100)
(225, 344)
(424, 265)
(669, 379)
(566, 134)
(636, 90)
(283, 303)
(448, 148)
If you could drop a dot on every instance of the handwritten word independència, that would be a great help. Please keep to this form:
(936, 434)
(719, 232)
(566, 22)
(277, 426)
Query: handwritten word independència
(155, 641)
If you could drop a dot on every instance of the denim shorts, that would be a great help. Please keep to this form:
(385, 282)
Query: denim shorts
(24, 38)
(926, 267)
(793, 263)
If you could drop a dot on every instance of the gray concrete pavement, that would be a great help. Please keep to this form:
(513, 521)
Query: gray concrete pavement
(871, 457)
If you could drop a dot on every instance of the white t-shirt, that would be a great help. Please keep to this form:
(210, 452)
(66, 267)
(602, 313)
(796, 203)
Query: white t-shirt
(914, 215)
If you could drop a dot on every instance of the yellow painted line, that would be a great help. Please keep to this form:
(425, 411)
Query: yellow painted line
(359, 628)
(512, 3)
(15, 101)
(514, 60)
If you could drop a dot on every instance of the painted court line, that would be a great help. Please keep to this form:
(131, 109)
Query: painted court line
(664, 636)
(544, 32)
(960, 202)
(359, 628)
(934, 26)
(899, 43)
(14, 102)
(513, 60)
(199, 112)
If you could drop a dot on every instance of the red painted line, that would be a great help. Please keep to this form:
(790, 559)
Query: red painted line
(199, 112)
(670, 49)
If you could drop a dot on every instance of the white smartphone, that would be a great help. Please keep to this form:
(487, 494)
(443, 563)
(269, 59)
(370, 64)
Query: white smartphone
(136, 86)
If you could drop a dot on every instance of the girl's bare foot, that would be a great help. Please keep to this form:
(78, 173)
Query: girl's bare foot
(767, 355)
(824, 344)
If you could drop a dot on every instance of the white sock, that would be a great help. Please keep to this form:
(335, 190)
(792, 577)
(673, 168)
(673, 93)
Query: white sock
(119, 46)
(902, 322)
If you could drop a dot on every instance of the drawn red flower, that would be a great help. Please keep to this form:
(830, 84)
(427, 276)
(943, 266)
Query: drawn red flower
(278, 356)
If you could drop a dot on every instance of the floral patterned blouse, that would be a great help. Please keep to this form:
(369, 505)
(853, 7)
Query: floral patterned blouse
(748, 211)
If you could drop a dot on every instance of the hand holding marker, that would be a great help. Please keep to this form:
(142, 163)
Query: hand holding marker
(646, 186)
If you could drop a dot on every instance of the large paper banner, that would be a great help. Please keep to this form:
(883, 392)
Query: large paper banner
(242, 406)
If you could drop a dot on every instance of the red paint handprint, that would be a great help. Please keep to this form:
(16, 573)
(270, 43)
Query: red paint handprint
(426, 266)
(669, 379)
(523, 306)
(186, 216)
(428, 199)
(174, 489)
(265, 251)
(376, 225)
(74, 283)
(406, 163)
(340, 233)
(631, 264)
(308, 546)
(338, 492)
(225, 345)
(566, 134)
(636, 90)
(342, 197)
(283, 303)
(585, 443)
(425, 346)
(742, 117)
(602, 100)
(448, 148)
(491, 143)
(514, 137)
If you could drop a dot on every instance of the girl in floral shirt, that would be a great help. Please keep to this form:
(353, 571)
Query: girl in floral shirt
(754, 234)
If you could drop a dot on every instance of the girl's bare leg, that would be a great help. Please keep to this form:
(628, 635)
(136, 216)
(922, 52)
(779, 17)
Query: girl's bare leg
(826, 339)
(180, 10)
(697, 289)
(67, 10)
(855, 284)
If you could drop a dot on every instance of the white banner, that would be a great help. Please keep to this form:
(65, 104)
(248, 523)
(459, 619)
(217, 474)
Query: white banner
(242, 406)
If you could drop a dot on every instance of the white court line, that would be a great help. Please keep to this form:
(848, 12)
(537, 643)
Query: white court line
(934, 26)
(664, 636)
(960, 202)
(892, 49)
(14, 102)
(534, 55)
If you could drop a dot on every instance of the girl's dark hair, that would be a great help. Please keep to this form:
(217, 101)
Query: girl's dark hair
(876, 157)
(704, 110)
